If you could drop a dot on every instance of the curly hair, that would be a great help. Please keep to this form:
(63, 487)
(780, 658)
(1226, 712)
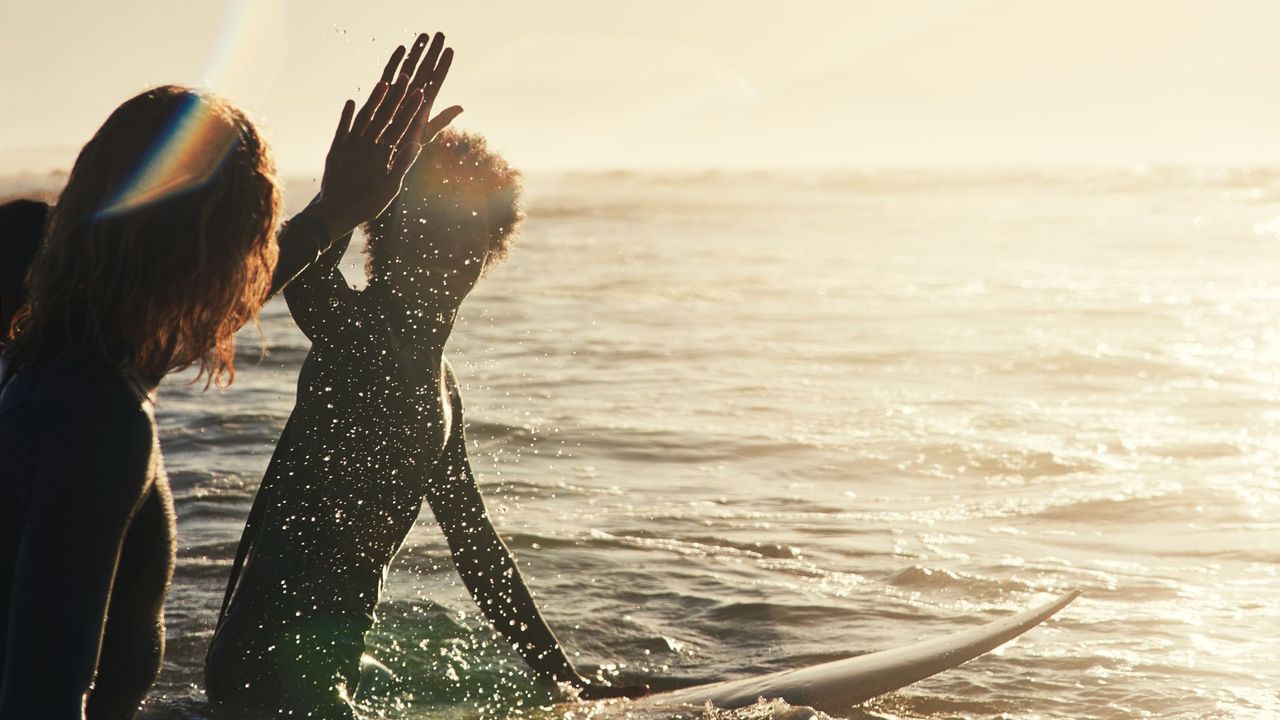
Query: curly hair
(458, 186)
(162, 243)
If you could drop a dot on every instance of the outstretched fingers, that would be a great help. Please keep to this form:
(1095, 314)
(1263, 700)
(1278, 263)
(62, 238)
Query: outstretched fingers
(388, 109)
(415, 54)
(389, 73)
(344, 125)
(426, 68)
(438, 76)
(361, 125)
(439, 122)
(397, 114)
(410, 111)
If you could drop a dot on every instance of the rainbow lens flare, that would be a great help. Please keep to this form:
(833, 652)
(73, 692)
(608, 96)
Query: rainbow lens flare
(184, 156)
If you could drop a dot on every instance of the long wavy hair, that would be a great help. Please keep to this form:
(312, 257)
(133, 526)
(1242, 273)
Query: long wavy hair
(162, 243)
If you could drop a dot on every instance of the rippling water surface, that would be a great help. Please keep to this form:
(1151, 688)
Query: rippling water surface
(732, 424)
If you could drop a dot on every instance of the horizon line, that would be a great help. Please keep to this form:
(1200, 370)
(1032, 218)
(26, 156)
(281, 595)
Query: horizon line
(745, 169)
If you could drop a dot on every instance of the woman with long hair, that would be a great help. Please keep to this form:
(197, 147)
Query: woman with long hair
(159, 248)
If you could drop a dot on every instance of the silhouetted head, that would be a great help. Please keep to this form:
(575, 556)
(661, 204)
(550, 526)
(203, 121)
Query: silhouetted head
(456, 217)
(162, 243)
(21, 225)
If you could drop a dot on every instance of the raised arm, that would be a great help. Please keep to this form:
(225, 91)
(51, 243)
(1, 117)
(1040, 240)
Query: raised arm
(370, 154)
(92, 477)
(488, 569)
(305, 241)
(320, 299)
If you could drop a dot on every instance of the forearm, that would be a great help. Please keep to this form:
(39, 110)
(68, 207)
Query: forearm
(491, 576)
(483, 560)
(302, 241)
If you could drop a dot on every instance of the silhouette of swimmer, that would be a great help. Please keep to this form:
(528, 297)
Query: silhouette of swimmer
(378, 426)
(21, 225)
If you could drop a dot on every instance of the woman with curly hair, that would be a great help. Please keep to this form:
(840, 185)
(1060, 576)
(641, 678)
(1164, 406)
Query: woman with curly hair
(160, 247)
(378, 427)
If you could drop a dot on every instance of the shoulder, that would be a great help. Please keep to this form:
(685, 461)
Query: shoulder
(94, 436)
(90, 404)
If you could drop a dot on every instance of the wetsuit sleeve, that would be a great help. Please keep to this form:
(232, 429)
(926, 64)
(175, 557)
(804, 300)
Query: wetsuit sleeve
(483, 560)
(92, 474)
(321, 301)
(302, 241)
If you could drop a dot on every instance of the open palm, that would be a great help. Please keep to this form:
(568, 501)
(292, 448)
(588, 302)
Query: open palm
(373, 149)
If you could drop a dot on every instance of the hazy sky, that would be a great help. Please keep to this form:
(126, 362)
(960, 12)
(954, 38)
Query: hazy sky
(688, 83)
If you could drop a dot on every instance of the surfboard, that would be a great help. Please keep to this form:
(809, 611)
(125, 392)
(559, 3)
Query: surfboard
(837, 686)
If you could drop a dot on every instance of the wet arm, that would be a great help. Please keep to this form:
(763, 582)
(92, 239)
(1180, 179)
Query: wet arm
(370, 155)
(485, 563)
(92, 477)
(302, 241)
(321, 301)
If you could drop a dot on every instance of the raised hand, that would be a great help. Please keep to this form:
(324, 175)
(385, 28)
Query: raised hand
(429, 76)
(374, 148)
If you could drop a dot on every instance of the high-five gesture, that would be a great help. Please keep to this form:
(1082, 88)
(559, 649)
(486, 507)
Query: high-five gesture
(430, 74)
(374, 148)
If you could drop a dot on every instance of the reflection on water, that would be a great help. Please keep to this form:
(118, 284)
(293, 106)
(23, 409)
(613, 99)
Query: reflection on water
(735, 424)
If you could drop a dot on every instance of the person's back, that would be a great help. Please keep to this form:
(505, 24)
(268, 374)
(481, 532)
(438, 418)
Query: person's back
(40, 409)
(86, 546)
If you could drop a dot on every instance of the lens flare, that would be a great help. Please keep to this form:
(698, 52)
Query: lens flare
(184, 156)
(196, 142)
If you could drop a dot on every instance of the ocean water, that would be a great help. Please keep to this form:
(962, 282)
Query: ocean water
(736, 423)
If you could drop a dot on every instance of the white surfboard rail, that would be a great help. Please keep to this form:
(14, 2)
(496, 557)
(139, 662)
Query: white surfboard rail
(837, 686)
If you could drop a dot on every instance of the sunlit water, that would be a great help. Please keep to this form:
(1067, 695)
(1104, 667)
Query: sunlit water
(739, 424)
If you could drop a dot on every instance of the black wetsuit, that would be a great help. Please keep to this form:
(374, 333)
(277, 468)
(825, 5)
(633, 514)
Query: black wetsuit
(21, 224)
(377, 427)
(87, 529)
